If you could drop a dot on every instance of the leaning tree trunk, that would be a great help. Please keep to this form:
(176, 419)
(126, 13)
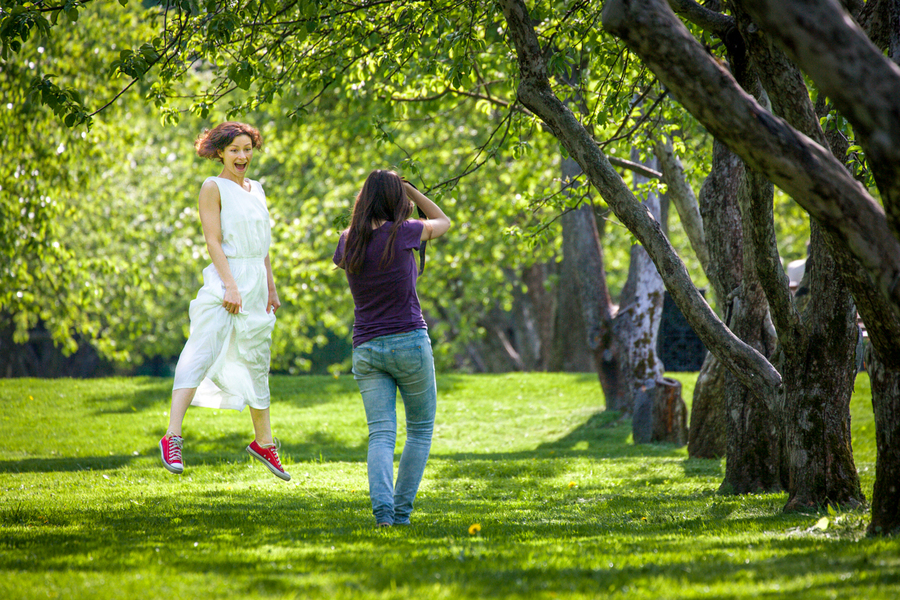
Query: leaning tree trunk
(885, 377)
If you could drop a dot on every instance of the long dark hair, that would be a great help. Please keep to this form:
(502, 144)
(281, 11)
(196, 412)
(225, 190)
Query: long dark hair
(382, 198)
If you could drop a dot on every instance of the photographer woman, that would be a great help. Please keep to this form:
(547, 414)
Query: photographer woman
(391, 347)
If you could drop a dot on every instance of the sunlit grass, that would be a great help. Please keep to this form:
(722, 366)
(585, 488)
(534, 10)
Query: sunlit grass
(565, 505)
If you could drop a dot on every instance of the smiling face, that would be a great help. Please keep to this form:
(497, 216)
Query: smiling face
(236, 157)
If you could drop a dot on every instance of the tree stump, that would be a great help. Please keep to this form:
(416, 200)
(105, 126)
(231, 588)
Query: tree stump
(660, 414)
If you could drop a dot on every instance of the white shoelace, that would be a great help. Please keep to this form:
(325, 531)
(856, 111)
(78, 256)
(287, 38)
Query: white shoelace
(175, 445)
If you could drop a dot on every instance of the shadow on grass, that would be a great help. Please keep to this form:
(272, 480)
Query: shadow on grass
(148, 393)
(279, 542)
(67, 464)
(604, 435)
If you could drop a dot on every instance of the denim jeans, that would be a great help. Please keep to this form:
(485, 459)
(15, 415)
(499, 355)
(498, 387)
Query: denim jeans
(380, 367)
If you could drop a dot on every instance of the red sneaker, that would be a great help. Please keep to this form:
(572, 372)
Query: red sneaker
(269, 457)
(170, 452)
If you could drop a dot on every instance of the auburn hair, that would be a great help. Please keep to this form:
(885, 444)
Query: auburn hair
(212, 141)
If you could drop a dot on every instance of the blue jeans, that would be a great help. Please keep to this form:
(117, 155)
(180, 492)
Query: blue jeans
(380, 367)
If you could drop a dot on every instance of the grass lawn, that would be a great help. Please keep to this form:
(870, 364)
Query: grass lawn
(531, 492)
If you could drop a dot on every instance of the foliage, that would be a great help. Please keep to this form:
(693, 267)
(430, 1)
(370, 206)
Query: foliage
(565, 507)
(46, 274)
(104, 242)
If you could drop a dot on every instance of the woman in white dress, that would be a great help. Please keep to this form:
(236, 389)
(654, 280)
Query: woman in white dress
(225, 361)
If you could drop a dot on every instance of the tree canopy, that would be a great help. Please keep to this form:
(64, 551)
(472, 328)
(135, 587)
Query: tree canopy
(337, 89)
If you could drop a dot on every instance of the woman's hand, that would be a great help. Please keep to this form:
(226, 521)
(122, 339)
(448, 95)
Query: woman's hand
(273, 302)
(436, 222)
(232, 301)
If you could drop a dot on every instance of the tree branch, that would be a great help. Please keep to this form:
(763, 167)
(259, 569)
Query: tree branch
(799, 166)
(863, 84)
(713, 22)
(748, 365)
(638, 168)
(684, 199)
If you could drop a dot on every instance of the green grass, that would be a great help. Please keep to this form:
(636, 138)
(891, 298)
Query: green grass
(567, 506)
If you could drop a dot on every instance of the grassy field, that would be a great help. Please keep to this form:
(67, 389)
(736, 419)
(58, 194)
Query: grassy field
(531, 492)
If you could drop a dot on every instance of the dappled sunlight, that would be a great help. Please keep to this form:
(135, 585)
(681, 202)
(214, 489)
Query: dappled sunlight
(572, 510)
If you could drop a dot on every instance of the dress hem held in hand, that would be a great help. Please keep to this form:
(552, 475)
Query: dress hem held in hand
(227, 356)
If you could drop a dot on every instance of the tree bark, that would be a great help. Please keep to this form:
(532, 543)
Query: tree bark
(724, 238)
(596, 308)
(852, 72)
(683, 198)
(537, 308)
(535, 93)
(792, 161)
(570, 350)
(885, 378)
(819, 370)
(706, 434)
(753, 436)
(881, 21)
(818, 351)
(637, 326)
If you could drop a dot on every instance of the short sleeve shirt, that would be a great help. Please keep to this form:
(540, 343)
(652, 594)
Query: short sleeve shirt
(384, 297)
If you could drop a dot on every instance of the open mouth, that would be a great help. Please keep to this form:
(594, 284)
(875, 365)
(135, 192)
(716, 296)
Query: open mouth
(240, 166)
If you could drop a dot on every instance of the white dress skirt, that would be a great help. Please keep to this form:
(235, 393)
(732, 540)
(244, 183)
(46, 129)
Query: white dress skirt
(226, 356)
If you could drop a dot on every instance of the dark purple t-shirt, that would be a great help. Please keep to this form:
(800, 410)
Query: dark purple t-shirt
(385, 297)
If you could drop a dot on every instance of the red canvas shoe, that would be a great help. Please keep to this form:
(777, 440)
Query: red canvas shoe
(269, 457)
(170, 452)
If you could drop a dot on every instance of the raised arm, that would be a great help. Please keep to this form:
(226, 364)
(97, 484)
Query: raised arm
(436, 222)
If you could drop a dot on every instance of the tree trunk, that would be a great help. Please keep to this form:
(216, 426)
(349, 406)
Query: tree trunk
(596, 309)
(669, 413)
(724, 239)
(535, 93)
(543, 306)
(596, 304)
(819, 350)
(570, 351)
(706, 437)
(637, 326)
(753, 437)
(819, 372)
(885, 378)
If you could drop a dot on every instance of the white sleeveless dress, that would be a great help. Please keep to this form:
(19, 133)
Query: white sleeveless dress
(226, 357)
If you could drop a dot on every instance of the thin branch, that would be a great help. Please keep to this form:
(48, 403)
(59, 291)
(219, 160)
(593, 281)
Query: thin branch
(636, 167)
(644, 117)
(708, 20)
